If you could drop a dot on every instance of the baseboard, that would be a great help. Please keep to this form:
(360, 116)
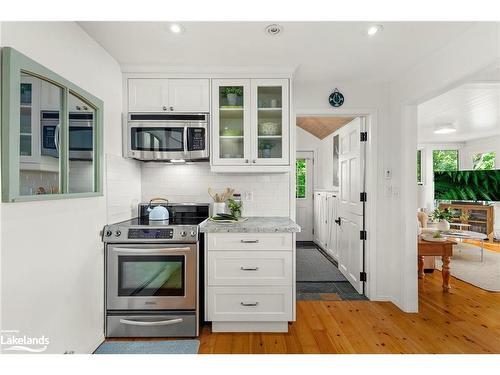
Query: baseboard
(249, 326)
(94, 347)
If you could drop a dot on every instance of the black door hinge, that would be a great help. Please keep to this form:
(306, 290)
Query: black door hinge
(363, 136)
(362, 234)
(313, 230)
(362, 197)
(362, 276)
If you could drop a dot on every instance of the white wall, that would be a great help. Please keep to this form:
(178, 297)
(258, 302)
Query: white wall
(477, 49)
(52, 256)
(189, 183)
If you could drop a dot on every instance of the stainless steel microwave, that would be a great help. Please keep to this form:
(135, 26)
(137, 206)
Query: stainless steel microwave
(174, 137)
(81, 135)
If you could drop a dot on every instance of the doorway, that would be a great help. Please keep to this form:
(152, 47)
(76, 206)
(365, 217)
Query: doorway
(336, 256)
(304, 165)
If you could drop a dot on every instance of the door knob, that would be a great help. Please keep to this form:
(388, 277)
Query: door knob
(339, 221)
(171, 108)
(164, 107)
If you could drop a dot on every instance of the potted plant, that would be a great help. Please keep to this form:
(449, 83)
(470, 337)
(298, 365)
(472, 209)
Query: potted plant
(234, 207)
(443, 218)
(232, 93)
(266, 148)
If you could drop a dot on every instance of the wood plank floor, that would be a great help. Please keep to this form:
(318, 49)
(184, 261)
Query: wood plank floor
(466, 320)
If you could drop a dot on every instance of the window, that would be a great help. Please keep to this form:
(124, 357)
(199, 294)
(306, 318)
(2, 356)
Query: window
(301, 170)
(445, 160)
(419, 167)
(53, 134)
(483, 161)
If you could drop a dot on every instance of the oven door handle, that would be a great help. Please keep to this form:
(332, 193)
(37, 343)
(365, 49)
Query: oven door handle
(151, 324)
(151, 251)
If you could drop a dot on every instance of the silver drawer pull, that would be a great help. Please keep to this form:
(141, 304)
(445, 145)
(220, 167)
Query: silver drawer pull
(157, 323)
(249, 241)
(249, 303)
(249, 268)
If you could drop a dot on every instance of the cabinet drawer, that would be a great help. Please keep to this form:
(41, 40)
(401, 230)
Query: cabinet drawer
(250, 241)
(239, 304)
(250, 267)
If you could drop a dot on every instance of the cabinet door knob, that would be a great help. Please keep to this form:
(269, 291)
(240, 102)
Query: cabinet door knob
(254, 161)
(171, 108)
(246, 161)
(164, 107)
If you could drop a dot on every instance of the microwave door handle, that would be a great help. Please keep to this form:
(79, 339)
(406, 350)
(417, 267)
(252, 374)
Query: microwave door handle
(150, 251)
(56, 138)
(157, 323)
(185, 142)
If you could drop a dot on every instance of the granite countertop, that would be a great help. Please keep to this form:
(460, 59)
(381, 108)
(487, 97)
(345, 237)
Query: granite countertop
(254, 224)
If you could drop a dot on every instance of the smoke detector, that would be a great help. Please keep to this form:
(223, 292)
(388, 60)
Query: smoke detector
(273, 29)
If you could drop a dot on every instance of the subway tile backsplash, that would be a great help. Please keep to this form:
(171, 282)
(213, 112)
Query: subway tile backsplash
(269, 193)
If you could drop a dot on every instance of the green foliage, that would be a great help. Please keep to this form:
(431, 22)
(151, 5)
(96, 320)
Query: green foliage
(484, 161)
(467, 185)
(439, 214)
(300, 165)
(234, 207)
(445, 160)
(266, 145)
(419, 165)
(231, 90)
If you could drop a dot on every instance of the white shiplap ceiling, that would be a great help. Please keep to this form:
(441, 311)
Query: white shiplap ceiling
(473, 109)
(321, 51)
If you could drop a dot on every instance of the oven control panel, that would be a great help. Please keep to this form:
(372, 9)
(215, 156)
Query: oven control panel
(150, 234)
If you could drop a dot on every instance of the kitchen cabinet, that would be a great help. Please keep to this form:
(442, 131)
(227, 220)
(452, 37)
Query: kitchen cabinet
(250, 123)
(168, 95)
(29, 134)
(250, 281)
(325, 227)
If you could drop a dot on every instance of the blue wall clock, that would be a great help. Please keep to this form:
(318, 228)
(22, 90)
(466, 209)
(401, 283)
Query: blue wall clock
(336, 98)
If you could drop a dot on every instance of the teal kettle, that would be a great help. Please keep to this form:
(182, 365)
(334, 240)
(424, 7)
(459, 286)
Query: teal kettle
(158, 213)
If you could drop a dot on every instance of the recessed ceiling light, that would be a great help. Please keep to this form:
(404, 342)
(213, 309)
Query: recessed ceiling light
(273, 29)
(372, 30)
(176, 28)
(445, 129)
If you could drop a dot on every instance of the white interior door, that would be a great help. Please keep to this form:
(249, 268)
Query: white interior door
(304, 194)
(351, 160)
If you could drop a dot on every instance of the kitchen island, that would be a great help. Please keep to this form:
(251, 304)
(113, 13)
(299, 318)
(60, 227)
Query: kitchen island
(250, 274)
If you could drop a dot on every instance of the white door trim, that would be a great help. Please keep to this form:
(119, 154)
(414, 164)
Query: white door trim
(371, 160)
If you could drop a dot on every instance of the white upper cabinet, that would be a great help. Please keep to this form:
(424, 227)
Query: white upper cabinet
(250, 123)
(168, 95)
(189, 95)
(147, 95)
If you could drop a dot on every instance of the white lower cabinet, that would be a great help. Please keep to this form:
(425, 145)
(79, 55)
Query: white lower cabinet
(325, 227)
(250, 281)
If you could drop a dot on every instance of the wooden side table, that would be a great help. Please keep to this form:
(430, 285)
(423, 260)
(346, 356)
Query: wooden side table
(444, 250)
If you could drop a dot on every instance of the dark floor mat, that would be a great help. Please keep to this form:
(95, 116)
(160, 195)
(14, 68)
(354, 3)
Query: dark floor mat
(312, 265)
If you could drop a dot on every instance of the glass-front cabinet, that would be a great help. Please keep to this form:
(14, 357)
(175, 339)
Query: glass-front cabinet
(250, 119)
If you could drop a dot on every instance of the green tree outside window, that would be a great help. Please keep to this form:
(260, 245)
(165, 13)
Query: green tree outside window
(483, 161)
(300, 166)
(445, 160)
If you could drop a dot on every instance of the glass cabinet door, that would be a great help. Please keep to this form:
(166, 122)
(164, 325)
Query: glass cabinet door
(270, 121)
(231, 121)
(28, 116)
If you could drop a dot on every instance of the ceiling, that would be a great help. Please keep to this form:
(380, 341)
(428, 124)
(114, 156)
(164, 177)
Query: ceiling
(322, 127)
(335, 51)
(473, 108)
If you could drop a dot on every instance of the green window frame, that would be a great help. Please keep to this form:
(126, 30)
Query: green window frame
(14, 64)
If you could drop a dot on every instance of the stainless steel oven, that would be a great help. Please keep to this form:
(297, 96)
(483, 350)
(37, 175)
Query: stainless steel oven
(81, 135)
(151, 277)
(168, 137)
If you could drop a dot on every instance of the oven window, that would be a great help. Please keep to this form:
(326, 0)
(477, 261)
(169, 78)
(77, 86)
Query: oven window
(157, 139)
(81, 138)
(159, 275)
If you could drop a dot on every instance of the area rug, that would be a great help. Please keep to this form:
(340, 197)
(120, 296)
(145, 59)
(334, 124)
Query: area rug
(466, 265)
(149, 347)
(312, 265)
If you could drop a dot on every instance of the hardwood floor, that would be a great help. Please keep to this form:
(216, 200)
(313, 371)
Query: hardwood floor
(492, 246)
(466, 320)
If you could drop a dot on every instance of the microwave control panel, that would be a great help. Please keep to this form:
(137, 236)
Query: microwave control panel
(196, 139)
